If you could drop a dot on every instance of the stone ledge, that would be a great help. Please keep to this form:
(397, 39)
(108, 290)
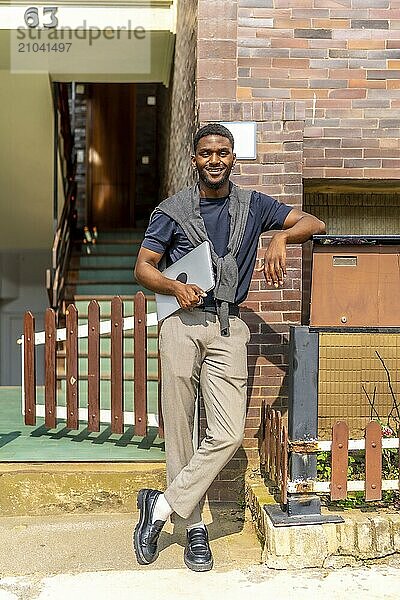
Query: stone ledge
(41, 489)
(362, 536)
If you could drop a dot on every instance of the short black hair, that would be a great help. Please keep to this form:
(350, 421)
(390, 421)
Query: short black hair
(212, 129)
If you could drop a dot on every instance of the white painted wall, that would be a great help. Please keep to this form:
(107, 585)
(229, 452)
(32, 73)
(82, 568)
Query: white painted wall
(26, 161)
(22, 275)
(26, 210)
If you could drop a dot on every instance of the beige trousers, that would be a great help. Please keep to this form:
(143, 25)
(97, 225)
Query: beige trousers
(194, 355)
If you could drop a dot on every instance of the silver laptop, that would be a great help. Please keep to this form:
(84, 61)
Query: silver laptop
(195, 267)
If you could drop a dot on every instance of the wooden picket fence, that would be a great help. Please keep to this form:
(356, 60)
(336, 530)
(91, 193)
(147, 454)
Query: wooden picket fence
(93, 330)
(275, 448)
(340, 446)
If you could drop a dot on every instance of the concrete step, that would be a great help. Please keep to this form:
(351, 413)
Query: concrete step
(121, 234)
(67, 487)
(109, 247)
(105, 261)
(105, 289)
(100, 259)
(101, 275)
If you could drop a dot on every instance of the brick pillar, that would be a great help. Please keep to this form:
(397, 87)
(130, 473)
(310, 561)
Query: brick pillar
(216, 38)
(277, 171)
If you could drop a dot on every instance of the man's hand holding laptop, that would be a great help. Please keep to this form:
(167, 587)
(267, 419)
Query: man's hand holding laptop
(188, 295)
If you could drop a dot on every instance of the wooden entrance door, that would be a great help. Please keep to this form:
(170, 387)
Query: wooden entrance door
(111, 155)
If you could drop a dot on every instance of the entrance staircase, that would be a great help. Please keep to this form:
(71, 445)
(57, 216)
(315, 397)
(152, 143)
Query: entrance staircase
(105, 268)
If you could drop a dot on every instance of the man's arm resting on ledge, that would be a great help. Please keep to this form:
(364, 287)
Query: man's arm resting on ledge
(297, 228)
(146, 273)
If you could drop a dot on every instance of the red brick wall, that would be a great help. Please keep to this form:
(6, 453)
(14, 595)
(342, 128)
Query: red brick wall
(322, 80)
(278, 172)
(347, 53)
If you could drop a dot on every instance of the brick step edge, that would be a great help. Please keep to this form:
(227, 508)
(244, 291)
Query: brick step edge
(362, 536)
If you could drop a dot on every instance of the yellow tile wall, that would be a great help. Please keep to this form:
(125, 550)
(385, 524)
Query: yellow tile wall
(348, 363)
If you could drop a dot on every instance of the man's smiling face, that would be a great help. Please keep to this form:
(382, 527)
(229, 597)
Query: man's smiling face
(214, 159)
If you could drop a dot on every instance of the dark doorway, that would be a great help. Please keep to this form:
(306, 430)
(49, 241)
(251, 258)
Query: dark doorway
(111, 155)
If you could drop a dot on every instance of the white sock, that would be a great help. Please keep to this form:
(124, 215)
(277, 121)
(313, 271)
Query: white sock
(162, 509)
(199, 524)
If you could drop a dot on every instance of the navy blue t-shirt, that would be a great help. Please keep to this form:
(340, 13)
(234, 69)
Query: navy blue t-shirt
(164, 235)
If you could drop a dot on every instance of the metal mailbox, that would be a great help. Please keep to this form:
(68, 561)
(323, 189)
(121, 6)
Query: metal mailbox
(355, 281)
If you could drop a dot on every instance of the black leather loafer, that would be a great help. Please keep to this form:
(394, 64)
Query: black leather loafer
(146, 533)
(197, 554)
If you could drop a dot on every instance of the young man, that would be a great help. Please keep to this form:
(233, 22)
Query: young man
(203, 345)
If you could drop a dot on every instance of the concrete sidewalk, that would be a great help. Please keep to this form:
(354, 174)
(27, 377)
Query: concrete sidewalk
(250, 583)
(90, 557)
(102, 542)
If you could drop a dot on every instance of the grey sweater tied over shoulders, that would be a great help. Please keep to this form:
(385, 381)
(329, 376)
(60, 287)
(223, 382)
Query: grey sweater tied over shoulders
(184, 208)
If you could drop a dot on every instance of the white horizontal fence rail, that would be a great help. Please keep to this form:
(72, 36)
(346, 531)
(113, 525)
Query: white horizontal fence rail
(324, 487)
(105, 327)
(356, 485)
(105, 415)
(339, 484)
(387, 443)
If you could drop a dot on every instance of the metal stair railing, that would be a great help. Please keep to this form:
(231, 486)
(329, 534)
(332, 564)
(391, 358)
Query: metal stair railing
(63, 153)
